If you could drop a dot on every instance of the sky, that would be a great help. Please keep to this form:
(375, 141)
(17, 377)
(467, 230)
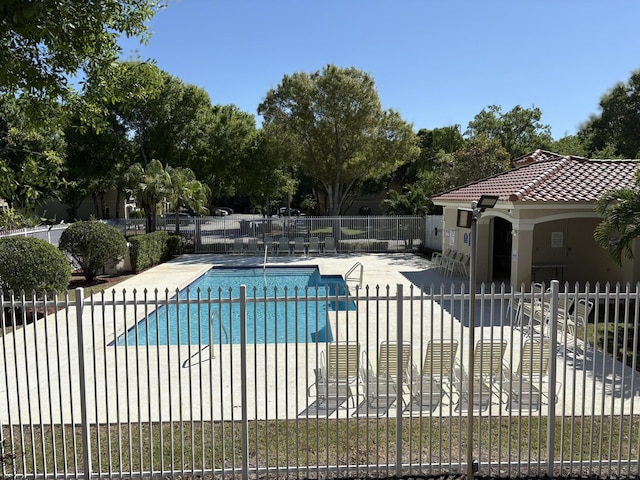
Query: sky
(437, 63)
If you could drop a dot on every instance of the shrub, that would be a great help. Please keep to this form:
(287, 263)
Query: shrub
(148, 250)
(93, 245)
(31, 264)
(175, 245)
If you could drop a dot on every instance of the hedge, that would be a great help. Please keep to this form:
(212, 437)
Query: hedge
(153, 248)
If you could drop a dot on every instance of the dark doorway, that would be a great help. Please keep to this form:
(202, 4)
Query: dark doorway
(501, 250)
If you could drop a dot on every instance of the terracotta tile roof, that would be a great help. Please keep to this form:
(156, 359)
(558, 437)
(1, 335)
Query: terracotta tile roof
(548, 177)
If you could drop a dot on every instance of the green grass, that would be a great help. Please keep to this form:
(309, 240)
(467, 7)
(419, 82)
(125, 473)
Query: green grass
(312, 442)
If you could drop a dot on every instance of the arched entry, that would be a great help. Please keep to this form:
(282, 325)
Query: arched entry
(501, 250)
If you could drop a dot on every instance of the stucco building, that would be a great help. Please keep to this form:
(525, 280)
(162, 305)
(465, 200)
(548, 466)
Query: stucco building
(542, 225)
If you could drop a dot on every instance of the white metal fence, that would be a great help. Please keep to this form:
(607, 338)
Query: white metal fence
(50, 233)
(369, 390)
(346, 234)
(220, 234)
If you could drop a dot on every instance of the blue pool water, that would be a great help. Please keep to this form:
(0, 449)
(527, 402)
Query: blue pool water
(275, 317)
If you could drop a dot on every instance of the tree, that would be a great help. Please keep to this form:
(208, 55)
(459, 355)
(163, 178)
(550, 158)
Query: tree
(31, 156)
(43, 45)
(332, 125)
(152, 185)
(269, 178)
(620, 225)
(431, 142)
(519, 130)
(618, 124)
(93, 245)
(184, 191)
(481, 157)
(96, 161)
(571, 145)
(229, 142)
(412, 202)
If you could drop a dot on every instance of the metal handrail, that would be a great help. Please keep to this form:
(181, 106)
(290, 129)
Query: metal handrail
(347, 276)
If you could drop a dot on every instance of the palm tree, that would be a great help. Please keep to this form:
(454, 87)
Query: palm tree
(184, 191)
(620, 226)
(151, 187)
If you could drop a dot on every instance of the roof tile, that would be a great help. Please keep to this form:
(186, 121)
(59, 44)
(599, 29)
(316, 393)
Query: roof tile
(548, 177)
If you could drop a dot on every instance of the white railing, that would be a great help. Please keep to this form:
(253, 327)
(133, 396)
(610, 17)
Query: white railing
(352, 276)
(79, 399)
(49, 233)
(350, 234)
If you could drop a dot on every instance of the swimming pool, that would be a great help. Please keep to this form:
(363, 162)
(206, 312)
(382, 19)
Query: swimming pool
(278, 313)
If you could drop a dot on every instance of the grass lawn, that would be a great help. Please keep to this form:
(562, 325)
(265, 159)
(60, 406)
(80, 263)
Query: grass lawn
(317, 442)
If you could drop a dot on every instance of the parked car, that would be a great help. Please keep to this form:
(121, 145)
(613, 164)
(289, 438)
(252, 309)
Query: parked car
(229, 210)
(293, 212)
(183, 218)
(219, 212)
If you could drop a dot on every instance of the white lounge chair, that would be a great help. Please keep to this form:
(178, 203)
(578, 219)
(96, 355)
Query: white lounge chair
(283, 246)
(569, 321)
(487, 375)
(238, 245)
(298, 246)
(381, 386)
(434, 377)
(527, 383)
(338, 374)
(314, 245)
(252, 246)
(330, 245)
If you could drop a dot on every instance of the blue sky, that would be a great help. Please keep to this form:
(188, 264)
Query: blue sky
(437, 63)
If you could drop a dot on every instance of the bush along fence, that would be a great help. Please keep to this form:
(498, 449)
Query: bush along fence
(320, 382)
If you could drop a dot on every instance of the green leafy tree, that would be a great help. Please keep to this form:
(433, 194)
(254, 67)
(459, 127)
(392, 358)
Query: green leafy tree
(270, 179)
(571, 145)
(519, 130)
(481, 157)
(97, 160)
(614, 132)
(29, 264)
(93, 245)
(333, 126)
(431, 142)
(184, 191)
(31, 156)
(230, 139)
(43, 45)
(620, 226)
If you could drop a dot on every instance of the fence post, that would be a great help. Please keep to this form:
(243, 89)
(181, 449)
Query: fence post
(243, 376)
(82, 385)
(400, 375)
(553, 358)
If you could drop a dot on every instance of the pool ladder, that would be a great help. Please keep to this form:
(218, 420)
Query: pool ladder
(352, 274)
(197, 357)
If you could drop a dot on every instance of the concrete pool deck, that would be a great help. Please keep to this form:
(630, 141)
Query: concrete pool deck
(189, 382)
